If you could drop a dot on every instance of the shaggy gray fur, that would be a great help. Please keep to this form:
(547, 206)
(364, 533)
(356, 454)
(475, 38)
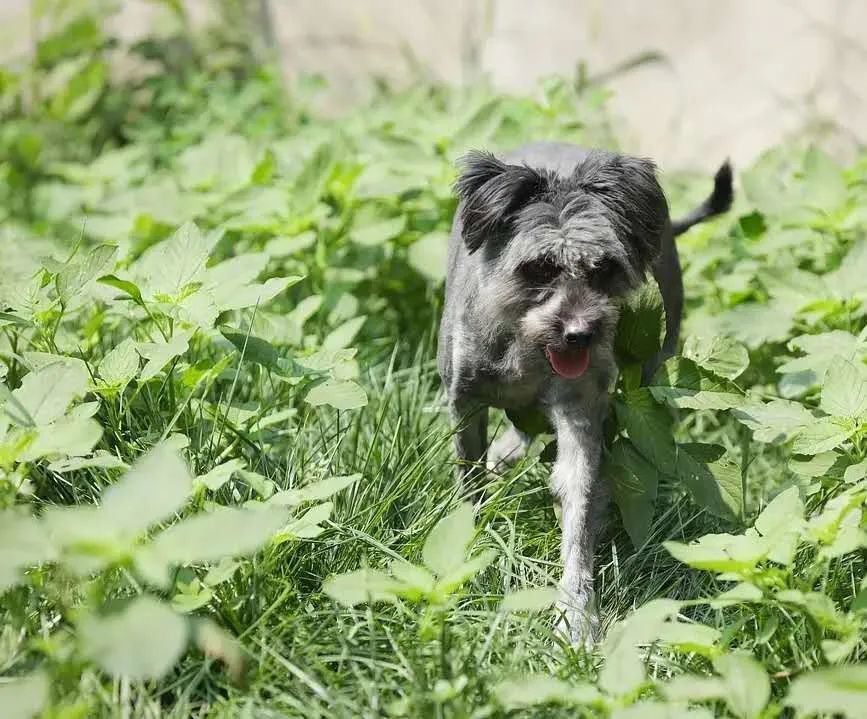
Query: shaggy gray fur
(546, 244)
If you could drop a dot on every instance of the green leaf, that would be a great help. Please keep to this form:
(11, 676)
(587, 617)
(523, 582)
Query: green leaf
(844, 392)
(691, 638)
(534, 599)
(254, 349)
(855, 472)
(81, 86)
(776, 421)
(822, 435)
(756, 324)
(720, 552)
(100, 458)
(229, 276)
(119, 366)
(682, 383)
(76, 276)
(23, 543)
(69, 436)
(314, 492)
(715, 485)
(428, 255)
(744, 686)
(746, 683)
(847, 281)
(286, 246)
(692, 688)
(156, 486)
(45, 394)
(816, 466)
(634, 481)
(344, 394)
(378, 233)
(223, 571)
(743, 593)
(820, 350)
(722, 355)
(640, 325)
(309, 184)
(128, 288)
(362, 585)
(192, 597)
(159, 354)
(78, 36)
(141, 642)
(781, 523)
(817, 605)
(648, 425)
(221, 161)
(533, 690)
(835, 690)
(219, 475)
(225, 532)
(623, 671)
(24, 697)
(307, 526)
(418, 581)
(173, 265)
(836, 527)
(446, 546)
(824, 187)
(466, 571)
(257, 294)
(342, 336)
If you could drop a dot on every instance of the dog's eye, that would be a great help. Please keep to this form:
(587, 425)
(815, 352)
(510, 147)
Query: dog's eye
(603, 274)
(539, 272)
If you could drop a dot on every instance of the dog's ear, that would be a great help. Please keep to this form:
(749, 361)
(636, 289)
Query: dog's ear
(630, 191)
(491, 192)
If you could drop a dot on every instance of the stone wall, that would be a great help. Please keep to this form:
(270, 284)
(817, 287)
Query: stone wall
(728, 77)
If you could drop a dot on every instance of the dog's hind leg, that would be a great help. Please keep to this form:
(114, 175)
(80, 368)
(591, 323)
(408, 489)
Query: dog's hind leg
(583, 496)
(508, 449)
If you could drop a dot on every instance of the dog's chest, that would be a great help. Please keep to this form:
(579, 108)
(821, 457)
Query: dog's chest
(505, 392)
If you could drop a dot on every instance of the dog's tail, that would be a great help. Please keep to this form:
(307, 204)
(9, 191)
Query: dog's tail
(720, 201)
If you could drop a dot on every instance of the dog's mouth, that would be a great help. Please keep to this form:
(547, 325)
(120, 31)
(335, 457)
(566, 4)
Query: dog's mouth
(570, 363)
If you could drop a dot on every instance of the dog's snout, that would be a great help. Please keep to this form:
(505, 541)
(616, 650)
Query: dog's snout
(576, 337)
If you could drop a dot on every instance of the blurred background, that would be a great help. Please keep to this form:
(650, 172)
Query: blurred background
(689, 81)
(322, 134)
(224, 223)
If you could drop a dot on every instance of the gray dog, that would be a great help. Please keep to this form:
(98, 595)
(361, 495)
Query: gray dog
(545, 245)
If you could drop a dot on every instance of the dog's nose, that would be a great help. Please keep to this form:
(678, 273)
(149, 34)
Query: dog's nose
(576, 338)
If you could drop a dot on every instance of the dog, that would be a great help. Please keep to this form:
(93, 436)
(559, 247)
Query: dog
(546, 244)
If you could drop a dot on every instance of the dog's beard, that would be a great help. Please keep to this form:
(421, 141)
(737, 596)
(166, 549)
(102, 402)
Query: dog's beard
(541, 328)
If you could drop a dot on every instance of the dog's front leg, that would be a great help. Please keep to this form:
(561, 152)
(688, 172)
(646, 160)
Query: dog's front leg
(471, 442)
(583, 496)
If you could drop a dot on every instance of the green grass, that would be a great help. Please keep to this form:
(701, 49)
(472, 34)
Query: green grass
(307, 363)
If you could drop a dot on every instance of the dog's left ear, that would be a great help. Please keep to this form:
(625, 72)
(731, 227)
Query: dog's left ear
(636, 204)
(491, 192)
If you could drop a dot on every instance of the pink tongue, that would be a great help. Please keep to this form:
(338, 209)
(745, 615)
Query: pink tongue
(570, 364)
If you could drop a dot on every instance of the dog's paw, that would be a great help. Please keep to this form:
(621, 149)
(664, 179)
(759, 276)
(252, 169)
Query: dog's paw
(578, 627)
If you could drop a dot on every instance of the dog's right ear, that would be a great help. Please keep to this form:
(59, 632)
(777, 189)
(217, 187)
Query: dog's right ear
(491, 192)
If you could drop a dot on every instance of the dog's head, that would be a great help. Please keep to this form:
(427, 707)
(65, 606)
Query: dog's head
(559, 253)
